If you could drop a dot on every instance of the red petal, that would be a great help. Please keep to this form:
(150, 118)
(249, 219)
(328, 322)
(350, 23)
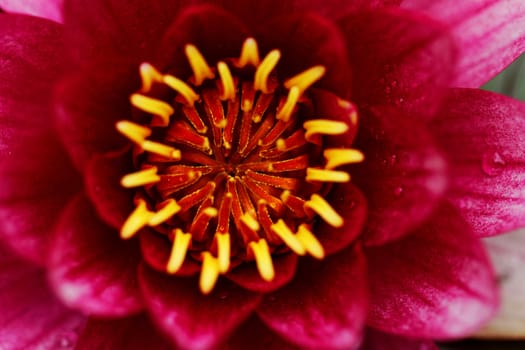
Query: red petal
(489, 34)
(398, 58)
(131, 333)
(482, 133)
(89, 104)
(91, 268)
(324, 307)
(436, 283)
(50, 9)
(31, 317)
(37, 178)
(127, 29)
(247, 276)
(377, 340)
(189, 318)
(403, 175)
(305, 41)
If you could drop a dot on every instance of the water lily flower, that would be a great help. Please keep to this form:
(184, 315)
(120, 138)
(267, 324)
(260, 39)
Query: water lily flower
(241, 174)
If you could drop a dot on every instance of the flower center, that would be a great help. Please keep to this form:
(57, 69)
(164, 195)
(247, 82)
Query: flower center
(231, 164)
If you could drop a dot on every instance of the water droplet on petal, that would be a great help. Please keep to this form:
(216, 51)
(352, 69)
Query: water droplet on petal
(388, 90)
(392, 160)
(398, 191)
(492, 163)
(223, 295)
(66, 340)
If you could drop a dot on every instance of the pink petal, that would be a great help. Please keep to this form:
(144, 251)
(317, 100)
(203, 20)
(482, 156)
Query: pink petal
(130, 333)
(89, 104)
(436, 283)
(399, 58)
(403, 176)
(31, 317)
(324, 307)
(91, 268)
(50, 9)
(482, 133)
(37, 178)
(247, 276)
(377, 340)
(489, 33)
(189, 318)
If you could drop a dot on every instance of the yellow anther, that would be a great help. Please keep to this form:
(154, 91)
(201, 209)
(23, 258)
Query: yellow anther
(323, 175)
(153, 106)
(283, 231)
(149, 75)
(182, 88)
(324, 210)
(249, 54)
(260, 82)
(228, 87)
(135, 132)
(161, 149)
(181, 243)
(250, 221)
(210, 212)
(136, 220)
(140, 178)
(287, 109)
(263, 259)
(339, 156)
(209, 273)
(169, 208)
(223, 251)
(201, 69)
(324, 127)
(306, 78)
(310, 242)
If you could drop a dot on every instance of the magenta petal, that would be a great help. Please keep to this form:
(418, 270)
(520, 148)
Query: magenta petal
(90, 267)
(490, 34)
(37, 178)
(50, 9)
(191, 319)
(482, 133)
(325, 305)
(436, 283)
(398, 58)
(130, 333)
(31, 317)
(377, 340)
(247, 276)
(89, 104)
(403, 175)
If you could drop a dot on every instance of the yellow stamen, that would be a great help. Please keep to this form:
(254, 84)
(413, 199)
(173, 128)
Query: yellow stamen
(169, 208)
(161, 149)
(323, 175)
(263, 259)
(209, 273)
(324, 127)
(182, 88)
(283, 231)
(210, 212)
(149, 75)
(153, 106)
(135, 132)
(136, 220)
(250, 221)
(249, 54)
(201, 69)
(306, 78)
(324, 210)
(263, 71)
(310, 242)
(140, 178)
(223, 251)
(337, 156)
(287, 109)
(179, 250)
(228, 87)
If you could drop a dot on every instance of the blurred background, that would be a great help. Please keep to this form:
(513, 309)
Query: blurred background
(507, 330)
